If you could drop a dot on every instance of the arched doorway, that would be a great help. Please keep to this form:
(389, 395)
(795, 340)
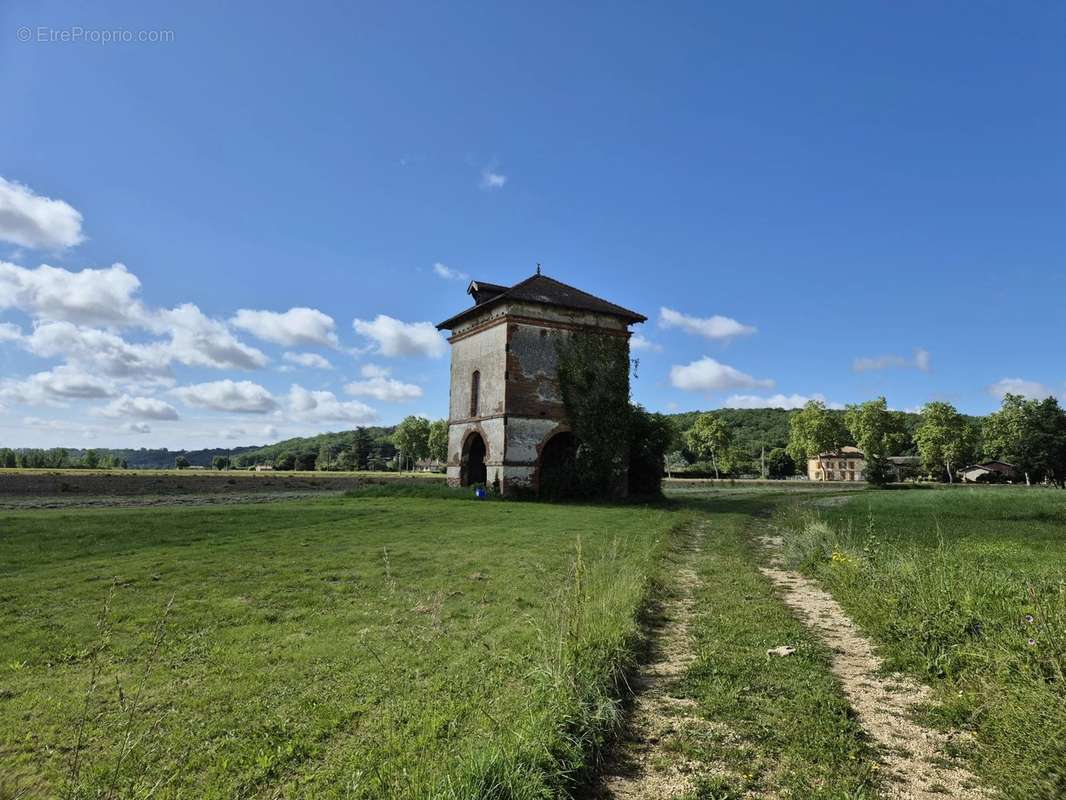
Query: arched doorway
(557, 466)
(473, 464)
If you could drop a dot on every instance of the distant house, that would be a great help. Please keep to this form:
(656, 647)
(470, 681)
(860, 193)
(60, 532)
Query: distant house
(429, 465)
(264, 467)
(988, 472)
(906, 466)
(845, 464)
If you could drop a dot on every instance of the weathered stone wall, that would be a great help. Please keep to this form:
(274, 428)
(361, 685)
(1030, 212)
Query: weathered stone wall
(514, 347)
(486, 352)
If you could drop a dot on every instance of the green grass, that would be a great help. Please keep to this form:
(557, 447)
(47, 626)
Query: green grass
(966, 589)
(362, 647)
(781, 726)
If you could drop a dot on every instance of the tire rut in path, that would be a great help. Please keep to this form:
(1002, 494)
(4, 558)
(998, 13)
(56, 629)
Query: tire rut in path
(915, 758)
(643, 766)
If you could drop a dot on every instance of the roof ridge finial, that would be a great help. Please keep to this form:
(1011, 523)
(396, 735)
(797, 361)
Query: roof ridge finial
(538, 268)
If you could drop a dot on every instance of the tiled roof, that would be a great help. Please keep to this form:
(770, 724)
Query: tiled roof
(546, 291)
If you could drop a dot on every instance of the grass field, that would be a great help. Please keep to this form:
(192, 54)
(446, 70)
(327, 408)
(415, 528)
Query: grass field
(966, 589)
(406, 641)
(371, 646)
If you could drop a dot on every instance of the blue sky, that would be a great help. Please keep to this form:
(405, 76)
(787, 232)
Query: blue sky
(834, 199)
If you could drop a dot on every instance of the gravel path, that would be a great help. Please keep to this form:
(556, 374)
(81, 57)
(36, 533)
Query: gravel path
(916, 763)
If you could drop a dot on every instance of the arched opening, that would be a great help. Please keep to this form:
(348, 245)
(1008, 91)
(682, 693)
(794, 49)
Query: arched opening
(475, 391)
(472, 470)
(557, 466)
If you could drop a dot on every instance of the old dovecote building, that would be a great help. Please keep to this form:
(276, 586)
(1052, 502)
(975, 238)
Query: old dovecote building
(506, 416)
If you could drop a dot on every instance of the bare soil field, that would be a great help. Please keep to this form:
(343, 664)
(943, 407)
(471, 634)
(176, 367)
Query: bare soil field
(127, 483)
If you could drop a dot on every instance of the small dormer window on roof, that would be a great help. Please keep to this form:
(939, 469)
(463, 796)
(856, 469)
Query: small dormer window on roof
(483, 292)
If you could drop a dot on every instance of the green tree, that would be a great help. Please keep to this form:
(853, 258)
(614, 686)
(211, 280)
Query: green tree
(879, 433)
(943, 438)
(181, 462)
(708, 438)
(91, 459)
(361, 447)
(411, 438)
(306, 461)
(675, 460)
(8, 459)
(220, 462)
(779, 463)
(1029, 434)
(438, 440)
(736, 461)
(813, 431)
(325, 457)
(650, 437)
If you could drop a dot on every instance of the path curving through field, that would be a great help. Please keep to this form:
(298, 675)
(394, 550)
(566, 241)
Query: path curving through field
(915, 758)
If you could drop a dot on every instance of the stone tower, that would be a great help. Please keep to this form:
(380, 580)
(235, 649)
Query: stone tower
(506, 416)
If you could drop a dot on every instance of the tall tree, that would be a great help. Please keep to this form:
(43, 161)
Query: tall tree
(325, 457)
(220, 462)
(438, 440)
(709, 437)
(411, 438)
(943, 438)
(779, 463)
(814, 431)
(1029, 434)
(876, 430)
(879, 433)
(361, 444)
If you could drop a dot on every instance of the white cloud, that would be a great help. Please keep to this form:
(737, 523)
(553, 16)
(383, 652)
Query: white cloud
(138, 427)
(10, 332)
(102, 352)
(708, 375)
(374, 371)
(395, 338)
(311, 360)
(490, 179)
(787, 401)
(267, 431)
(228, 395)
(31, 220)
(64, 382)
(921, 361)
(381, 387)
(199, 341)
(638, 342)
(446, 272)
(297, 327)
(138, 408)
(87, 297)
(1020, 386)
(717, 327)
(323, 406)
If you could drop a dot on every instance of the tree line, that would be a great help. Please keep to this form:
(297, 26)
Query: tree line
(59, 458)
(1029, 434)
(363, 449)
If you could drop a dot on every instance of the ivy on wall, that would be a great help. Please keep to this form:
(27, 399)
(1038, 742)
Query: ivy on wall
(593, 374)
